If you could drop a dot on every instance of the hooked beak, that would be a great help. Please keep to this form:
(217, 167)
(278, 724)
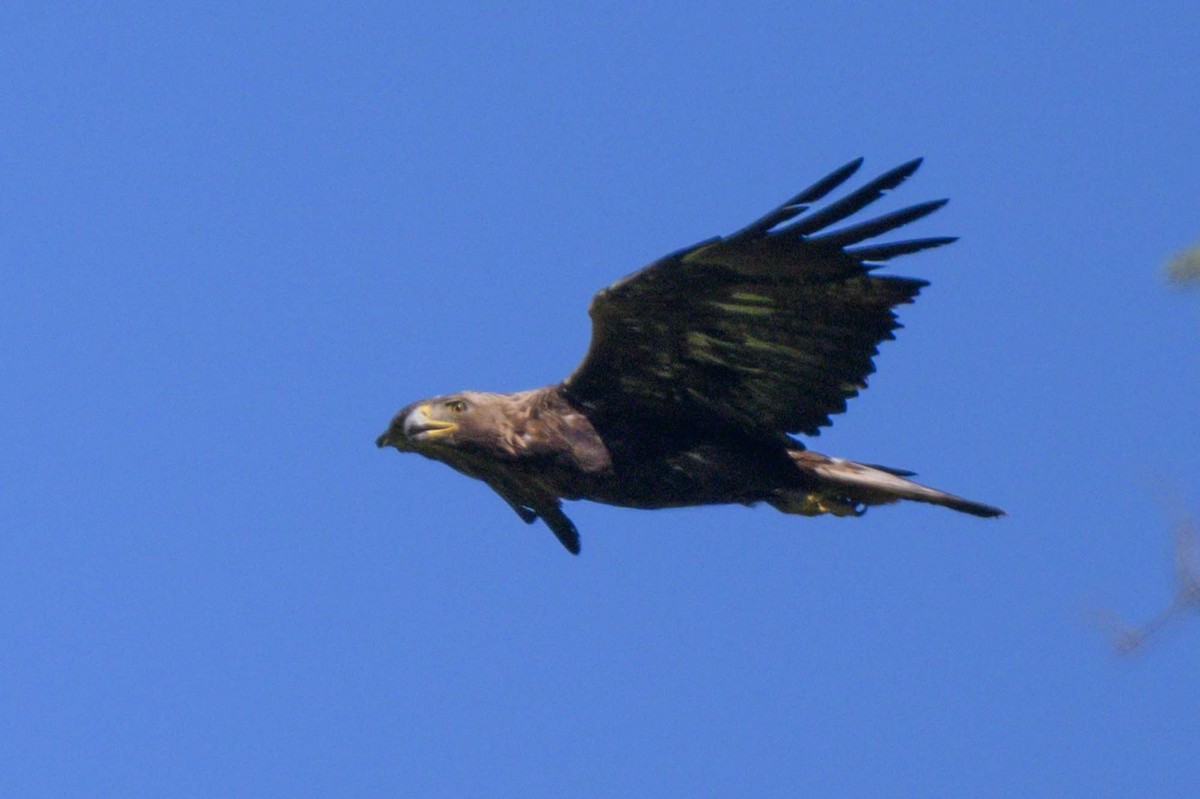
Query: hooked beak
(418, 426)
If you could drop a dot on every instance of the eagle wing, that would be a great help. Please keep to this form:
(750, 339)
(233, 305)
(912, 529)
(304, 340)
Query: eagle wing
(772, 328)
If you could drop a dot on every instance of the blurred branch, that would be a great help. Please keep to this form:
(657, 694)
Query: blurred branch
(1184, 269)
(1128, 638)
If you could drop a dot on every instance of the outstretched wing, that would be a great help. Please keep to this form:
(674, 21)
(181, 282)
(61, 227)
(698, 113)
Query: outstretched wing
(772, 328)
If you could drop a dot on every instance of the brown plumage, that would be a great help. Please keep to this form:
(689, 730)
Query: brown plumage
(700, 367)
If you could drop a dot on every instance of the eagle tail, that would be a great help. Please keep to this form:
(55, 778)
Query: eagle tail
(846, 488)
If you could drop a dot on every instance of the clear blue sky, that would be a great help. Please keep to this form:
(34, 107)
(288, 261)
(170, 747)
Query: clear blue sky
(234, 242)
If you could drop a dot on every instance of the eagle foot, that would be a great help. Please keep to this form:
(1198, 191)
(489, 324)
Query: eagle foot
(819, 505)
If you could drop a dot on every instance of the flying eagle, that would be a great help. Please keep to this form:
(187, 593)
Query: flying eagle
(700, 367)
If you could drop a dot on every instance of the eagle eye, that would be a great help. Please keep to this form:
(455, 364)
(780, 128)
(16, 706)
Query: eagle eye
(456, 406)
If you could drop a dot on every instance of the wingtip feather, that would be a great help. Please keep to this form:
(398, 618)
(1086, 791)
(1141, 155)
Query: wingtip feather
(797, 204)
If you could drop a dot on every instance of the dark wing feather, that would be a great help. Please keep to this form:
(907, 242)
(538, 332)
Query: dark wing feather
(772, 328)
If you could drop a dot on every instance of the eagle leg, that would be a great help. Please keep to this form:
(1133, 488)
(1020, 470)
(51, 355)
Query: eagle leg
(561, 526)
(523, 509)
(528, 515)
(549, 508)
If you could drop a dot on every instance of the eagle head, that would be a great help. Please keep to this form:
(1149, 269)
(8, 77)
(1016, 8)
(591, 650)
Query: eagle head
(467, 420)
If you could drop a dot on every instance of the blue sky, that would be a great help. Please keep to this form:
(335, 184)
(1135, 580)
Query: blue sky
(236, 241)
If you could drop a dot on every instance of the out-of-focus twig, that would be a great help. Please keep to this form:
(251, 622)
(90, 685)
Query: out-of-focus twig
(1184, 269)
(1187, 566)
(1128, 638)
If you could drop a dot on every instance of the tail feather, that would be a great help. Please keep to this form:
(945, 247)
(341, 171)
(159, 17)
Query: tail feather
(847, 488)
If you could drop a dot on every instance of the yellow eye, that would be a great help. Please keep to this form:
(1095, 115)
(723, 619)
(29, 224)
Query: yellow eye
(456, 406)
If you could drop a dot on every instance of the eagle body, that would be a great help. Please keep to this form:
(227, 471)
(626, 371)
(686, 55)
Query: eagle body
(702, 367)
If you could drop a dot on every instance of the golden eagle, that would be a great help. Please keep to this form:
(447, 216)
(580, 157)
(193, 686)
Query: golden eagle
(699, 368)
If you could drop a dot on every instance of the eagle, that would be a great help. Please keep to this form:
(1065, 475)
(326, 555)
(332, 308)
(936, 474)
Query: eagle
(702, 367)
